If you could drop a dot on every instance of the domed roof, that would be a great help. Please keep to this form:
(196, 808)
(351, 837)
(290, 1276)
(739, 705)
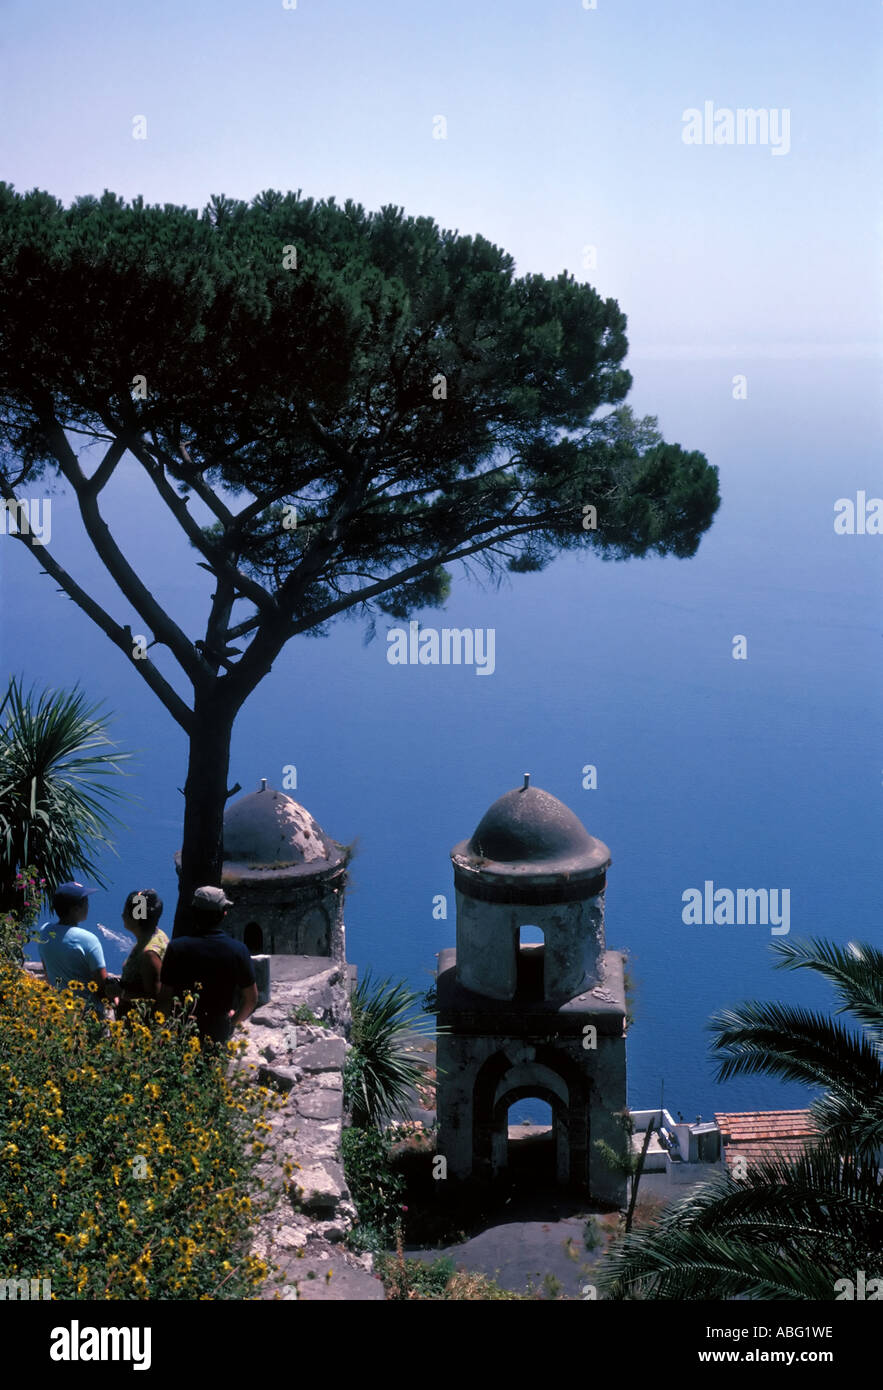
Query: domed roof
(268, 830)
(528, 835)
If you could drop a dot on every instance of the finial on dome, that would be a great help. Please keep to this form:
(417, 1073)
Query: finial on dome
(263, 786)
(526, 781)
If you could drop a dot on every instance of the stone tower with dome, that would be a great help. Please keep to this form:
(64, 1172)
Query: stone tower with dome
(285, 876)
(523, 1019)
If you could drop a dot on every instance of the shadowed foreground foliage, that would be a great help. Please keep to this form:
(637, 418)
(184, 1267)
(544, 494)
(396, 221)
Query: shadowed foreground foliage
(788, 1229)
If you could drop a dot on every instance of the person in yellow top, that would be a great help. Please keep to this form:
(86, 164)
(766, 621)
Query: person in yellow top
(139, 978)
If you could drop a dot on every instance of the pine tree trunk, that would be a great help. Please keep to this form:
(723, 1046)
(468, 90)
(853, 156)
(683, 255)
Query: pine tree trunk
(205, 793)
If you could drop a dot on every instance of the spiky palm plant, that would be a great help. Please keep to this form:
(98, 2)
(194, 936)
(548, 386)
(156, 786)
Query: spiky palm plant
(380, 1073)
(800, 1045)
(54, 758)
(788, 1229)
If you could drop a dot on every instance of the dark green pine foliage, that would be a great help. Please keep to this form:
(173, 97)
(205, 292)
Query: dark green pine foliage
(394, 387)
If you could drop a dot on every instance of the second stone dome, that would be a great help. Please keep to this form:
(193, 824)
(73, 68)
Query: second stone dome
(268, 831)
(528, 834)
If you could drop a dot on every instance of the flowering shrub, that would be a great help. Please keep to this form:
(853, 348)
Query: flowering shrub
(127, 1154)
(17, 925)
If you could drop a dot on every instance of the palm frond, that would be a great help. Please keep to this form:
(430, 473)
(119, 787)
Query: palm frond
(797, 1045)
(789, 1229)
(57, 766)
(855, 970)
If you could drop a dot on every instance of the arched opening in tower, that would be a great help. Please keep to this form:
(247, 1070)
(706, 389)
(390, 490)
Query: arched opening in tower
(531, 1144)
(253, 937)
(531, 963)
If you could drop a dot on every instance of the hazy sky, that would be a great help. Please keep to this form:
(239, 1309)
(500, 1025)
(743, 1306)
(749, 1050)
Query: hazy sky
(564, 130)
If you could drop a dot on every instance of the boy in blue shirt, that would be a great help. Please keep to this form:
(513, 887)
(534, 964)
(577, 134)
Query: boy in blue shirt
(67, 950)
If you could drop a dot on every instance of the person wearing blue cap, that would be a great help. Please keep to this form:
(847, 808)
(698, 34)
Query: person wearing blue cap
(68, 951)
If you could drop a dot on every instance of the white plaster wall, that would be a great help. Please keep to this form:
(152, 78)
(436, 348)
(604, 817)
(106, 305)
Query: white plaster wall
(487, 945)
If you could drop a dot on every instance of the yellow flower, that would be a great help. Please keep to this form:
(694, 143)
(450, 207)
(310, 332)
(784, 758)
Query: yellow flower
(92, 987)
(123, 1207)
(116, 1170)
(127, 1099)
(131, 1224)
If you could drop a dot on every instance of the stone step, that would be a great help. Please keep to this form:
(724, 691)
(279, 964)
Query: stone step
(345, 1285)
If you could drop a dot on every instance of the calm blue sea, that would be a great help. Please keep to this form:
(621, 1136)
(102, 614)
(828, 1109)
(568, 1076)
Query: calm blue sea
(766, 772)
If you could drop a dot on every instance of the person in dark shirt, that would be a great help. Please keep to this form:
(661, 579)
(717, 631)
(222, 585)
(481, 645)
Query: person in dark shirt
(213, 962)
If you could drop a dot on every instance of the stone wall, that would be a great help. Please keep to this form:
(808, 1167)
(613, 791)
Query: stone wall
(305, 1063)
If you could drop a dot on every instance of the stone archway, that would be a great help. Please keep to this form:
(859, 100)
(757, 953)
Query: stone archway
(554, 1168)
(519, 1071)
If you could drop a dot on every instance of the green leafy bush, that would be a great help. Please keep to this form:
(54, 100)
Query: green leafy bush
(415, 1278)
(376, 1188)
(304, 1014)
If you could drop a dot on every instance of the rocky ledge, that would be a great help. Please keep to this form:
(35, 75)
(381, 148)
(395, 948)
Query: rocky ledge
(304, 1061)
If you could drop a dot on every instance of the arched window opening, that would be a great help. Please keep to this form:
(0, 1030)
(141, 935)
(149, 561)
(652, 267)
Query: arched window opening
(531, 1147)
(254, 938)
(531, 963)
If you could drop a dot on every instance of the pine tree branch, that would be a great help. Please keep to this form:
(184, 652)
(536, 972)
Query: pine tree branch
(115, 562)
(120, 636)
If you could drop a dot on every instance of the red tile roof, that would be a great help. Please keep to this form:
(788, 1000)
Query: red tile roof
(762, 1134)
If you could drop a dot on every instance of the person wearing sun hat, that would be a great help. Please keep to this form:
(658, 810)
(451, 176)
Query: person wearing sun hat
(68, 950)
(209, 958)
